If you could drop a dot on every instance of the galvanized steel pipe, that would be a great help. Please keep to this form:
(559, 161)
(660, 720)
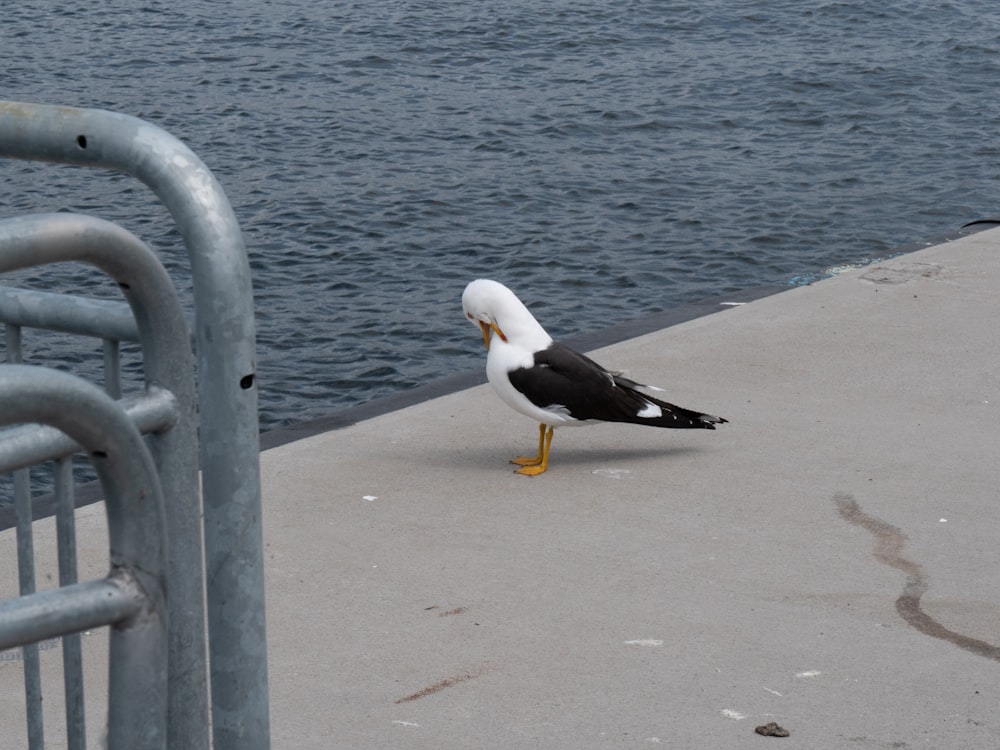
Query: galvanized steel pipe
(224, 331)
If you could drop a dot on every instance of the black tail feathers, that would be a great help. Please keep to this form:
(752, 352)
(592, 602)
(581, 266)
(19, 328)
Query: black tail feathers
(676, 417)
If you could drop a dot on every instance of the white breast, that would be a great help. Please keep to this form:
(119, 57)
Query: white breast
(504, 357)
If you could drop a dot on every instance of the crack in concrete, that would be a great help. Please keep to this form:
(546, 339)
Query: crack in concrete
(889, 543)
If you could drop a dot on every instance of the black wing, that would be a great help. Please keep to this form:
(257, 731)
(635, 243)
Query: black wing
(565, 378)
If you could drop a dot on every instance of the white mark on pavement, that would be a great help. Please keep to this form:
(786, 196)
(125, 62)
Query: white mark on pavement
(369, 498)
(773, 692)
(405, 723)
(734, 715)
(644, 642)
(810, 673)
(611, 473)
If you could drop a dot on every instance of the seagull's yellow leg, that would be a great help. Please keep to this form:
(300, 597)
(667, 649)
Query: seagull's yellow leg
(533, 460)
(536, 469)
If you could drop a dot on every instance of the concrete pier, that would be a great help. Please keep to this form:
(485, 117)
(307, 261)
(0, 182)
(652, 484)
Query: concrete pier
(827, 561)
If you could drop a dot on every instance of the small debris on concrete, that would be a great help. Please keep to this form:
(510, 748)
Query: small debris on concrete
(771, 729)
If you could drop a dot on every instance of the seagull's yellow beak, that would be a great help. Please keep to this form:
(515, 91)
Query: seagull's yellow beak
(489, 328)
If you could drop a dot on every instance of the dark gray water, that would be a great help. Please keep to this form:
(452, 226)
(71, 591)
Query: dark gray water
(604, 160)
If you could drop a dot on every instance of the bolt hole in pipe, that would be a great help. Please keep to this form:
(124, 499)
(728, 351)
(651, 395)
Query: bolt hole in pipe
(246, 382)
(81, 141)
(98, 454)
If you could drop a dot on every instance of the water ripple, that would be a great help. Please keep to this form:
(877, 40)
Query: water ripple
(606, 161)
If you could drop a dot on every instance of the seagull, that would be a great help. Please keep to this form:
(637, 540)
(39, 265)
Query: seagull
(553, 384)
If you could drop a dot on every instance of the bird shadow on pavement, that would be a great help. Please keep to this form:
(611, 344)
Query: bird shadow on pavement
(596, 458)
(602, 456)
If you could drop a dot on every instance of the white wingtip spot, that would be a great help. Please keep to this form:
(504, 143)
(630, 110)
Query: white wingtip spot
(650, 411)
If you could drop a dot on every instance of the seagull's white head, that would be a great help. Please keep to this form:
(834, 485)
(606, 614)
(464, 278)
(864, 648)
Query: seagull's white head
(497, 311)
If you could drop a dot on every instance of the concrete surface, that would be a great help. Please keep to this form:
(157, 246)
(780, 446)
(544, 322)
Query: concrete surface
(827, 561)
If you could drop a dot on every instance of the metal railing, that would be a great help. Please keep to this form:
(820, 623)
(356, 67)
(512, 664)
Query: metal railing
(168, 398)
(224, 425)
(132, 598)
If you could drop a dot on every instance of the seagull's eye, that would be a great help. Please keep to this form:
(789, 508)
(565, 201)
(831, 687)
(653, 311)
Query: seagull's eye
(469, 316)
